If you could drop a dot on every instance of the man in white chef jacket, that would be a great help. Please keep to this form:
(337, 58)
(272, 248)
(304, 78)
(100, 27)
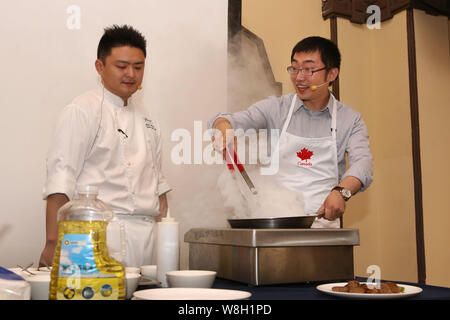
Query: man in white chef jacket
(315, 133)
(106, 139)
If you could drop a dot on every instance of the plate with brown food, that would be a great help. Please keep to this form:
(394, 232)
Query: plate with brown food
(367, 290)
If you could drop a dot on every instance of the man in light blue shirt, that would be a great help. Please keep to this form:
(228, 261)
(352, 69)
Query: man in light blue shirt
(316, 133)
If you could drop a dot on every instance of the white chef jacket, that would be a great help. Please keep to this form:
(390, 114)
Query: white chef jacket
(100, 142)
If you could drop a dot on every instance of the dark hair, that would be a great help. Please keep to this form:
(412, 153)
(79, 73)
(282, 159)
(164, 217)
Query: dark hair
(116, 36)
(329, 52)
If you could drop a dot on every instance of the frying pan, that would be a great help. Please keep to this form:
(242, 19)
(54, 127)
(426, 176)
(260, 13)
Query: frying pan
(299, 222)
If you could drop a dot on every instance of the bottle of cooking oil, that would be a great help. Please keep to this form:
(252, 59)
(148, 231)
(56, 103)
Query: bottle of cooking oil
(82, 268)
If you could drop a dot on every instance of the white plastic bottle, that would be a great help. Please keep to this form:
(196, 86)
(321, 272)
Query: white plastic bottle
(168, 248)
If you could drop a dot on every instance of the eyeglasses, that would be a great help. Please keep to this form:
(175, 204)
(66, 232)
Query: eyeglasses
(305, 71)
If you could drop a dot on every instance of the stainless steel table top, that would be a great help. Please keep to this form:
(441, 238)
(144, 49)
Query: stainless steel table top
(273, 237)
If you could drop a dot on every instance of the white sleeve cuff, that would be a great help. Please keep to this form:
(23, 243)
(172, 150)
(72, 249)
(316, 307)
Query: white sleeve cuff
(163, 187)
(65, 185)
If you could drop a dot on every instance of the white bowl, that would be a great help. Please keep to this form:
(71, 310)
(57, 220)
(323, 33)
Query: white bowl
(131, 283)
(190, 278)
(25, 274)
(132, 270)
(45, 269)
(40, 286)
(149, 271)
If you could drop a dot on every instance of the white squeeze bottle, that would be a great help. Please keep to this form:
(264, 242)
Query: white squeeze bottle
(168, 248)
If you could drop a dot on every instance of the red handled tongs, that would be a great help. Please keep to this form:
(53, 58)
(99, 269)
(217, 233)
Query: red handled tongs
(240, 167)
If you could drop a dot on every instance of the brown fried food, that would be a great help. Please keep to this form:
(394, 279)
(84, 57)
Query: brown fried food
(356, 290)
(385, 288)
(340, 289)
(394, 287)
(370, 289)
(353, 284)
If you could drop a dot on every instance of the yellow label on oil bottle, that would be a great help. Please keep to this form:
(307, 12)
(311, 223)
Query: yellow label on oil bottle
(82, 268)
(86, 289)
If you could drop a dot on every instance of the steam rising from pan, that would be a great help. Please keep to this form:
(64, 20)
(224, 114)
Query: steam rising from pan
(272, 200)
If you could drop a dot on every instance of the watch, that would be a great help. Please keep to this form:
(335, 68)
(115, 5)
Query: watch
(345, 193)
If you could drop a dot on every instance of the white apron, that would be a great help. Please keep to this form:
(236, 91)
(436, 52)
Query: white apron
(309, 166)
(131, 239)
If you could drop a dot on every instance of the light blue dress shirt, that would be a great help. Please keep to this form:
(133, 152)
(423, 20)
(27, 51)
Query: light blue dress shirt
(351, 134)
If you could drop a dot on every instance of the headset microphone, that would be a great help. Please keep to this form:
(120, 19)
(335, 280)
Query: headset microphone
(314, 88)
(139, 87)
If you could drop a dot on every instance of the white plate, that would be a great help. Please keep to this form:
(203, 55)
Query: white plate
(190, 294)
(409, 291)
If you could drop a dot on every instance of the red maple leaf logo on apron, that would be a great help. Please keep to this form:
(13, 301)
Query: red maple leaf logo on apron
(305, 154)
